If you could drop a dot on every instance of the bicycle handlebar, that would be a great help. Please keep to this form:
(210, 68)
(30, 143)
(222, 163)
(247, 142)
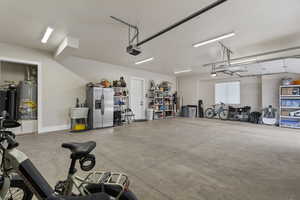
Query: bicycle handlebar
(8, 135)
(12, 143)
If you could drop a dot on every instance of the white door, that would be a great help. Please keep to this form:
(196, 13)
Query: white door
(137, 98)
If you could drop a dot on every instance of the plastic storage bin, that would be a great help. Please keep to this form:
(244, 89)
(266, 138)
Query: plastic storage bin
(150, 114)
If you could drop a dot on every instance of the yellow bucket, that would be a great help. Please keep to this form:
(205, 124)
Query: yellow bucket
(79, 127)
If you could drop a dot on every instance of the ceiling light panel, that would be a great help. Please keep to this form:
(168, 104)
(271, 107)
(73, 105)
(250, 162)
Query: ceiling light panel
(183, 71)
(47, 35)
(214, 74)
(216, 39)
(243, 61)
(144, 61)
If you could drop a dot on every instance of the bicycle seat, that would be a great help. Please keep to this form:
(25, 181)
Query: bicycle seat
(95, 196)
(10, 124)
(79, 150)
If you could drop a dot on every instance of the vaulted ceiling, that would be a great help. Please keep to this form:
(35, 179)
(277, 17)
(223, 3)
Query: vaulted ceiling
(260, 25)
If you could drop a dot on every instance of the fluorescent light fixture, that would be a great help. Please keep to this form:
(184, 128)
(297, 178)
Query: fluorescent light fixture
(214, 74)
(222, 37)
(183, 71)
(47, 35)
(233, 68)
(243, 61)
(144, 61)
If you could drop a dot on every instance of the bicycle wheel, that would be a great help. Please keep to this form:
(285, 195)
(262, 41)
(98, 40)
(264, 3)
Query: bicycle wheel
(210, 113)
(223, 114)
(112, 190)
(18, 190)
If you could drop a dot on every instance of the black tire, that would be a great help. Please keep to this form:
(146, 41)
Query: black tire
(111, 190)
(19, 189)
(224, 114)
(209, 113)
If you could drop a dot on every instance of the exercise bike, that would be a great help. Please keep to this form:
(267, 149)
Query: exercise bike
(21, 180)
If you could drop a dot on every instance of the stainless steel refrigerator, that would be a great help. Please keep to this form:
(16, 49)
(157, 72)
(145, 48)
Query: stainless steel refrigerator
(101, 107)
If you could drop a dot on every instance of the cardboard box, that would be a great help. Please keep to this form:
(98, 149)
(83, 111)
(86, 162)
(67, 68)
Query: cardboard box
(287, 91)
(285, 113)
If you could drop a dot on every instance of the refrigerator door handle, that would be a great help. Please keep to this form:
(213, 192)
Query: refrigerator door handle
(102, 104)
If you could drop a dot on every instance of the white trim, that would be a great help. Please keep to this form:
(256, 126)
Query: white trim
(40, 98)
(5, 59)
(39, 65)
(27, 126)
(144, 94)
(54, 128)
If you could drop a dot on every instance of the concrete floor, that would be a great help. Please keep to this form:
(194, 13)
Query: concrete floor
(184, 159)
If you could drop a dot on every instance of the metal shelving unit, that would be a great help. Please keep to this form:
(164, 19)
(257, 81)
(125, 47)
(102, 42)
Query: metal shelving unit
(289, 101)
(121, 101)
(162, 104)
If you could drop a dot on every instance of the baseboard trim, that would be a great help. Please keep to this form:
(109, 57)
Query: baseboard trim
(49, 129)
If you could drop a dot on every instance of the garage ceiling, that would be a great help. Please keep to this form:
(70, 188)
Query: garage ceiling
(260, 25)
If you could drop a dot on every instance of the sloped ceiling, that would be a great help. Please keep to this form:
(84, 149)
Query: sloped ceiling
(260, 25)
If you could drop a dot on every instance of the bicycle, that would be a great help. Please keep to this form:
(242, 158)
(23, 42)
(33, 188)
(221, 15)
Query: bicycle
(217, 110)
(12, 185)
(19, 174)
(116, 184)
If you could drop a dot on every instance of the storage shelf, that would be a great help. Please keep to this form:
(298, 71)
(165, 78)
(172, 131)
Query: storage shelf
(289, 107)
(168, 117)
(290, 98)
(285, 96)
(158, 91)
(161, 102)
(289, 117)
(289, 95)
(289, 86)
(286, 126)
(163, 111)
(121, 96)
(169, 98)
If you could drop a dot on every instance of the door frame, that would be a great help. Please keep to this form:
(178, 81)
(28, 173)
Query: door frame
(39, 82)
(144, 93)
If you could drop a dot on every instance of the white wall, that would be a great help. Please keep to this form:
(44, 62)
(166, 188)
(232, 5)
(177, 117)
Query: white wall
(188, 90)
(63, 83)
(12, 72)
(60, 86)
(270, 88)
(196, 87)
(95, 71)
(257, 92)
